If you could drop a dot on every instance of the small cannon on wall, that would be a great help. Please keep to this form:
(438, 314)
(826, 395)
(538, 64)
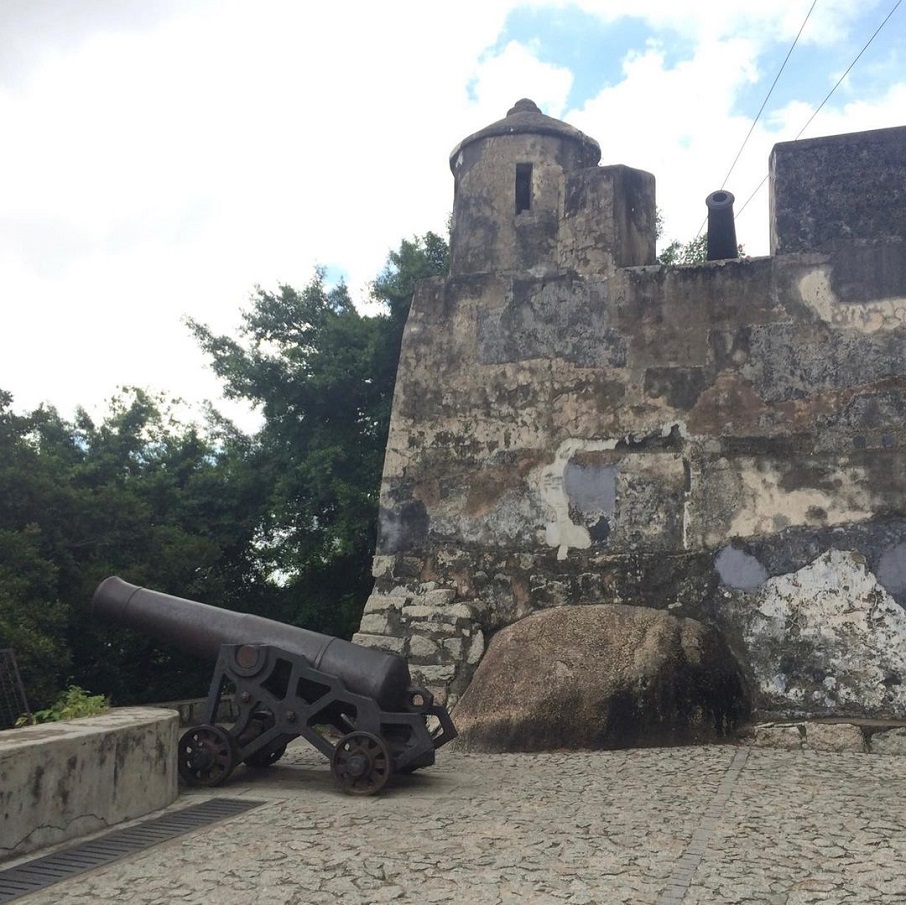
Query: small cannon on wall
(287, 682)
(721, 226)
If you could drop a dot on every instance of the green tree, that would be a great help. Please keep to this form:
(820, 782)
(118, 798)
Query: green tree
(282, 523)
(33, 621)
(695, 251)
(322, 374)
(140, 495)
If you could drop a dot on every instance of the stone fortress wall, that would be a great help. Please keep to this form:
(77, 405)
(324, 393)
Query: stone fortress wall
(573, 424)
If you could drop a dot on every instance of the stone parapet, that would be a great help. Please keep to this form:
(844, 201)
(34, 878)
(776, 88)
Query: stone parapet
(838, 189)
(66, 779)
(192, 710)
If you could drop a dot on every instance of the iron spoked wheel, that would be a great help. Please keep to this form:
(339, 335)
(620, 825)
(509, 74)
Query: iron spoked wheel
(207, 756)
(265, 758)
(361, 764)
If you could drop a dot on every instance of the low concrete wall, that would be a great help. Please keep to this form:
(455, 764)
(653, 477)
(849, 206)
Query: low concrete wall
(66, 779)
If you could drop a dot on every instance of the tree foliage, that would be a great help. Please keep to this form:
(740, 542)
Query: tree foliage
(138, 494)
(282, 523)
(73, 704)
(695, 251)
(322, 375)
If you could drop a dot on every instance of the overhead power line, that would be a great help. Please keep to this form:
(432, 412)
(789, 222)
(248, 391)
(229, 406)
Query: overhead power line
(845, 74)
(828, 97)
(768, 95)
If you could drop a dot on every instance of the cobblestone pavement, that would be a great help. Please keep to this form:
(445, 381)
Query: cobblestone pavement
(659, 826)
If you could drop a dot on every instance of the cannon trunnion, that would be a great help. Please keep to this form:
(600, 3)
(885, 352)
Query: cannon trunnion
(354, 704)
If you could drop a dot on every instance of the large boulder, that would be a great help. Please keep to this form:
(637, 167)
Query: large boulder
(604, 676)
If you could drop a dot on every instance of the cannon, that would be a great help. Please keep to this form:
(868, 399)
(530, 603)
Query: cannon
(356, 705)
(721, 226)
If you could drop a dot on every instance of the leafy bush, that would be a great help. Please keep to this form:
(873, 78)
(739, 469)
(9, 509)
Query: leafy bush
(73, 703)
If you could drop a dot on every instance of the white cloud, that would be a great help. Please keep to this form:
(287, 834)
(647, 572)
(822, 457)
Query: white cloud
(768, 20)
(675, 122)
(689, 130)
(515, 72)
(161, 159)
(158, 172)
(836, 117)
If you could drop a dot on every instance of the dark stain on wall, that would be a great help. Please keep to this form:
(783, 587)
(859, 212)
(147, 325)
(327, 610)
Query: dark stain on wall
(680, 387)
(869, 274)
(550, 319)
(404, 527)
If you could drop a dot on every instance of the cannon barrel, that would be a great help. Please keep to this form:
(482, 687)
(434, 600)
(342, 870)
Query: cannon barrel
(721, 226)
(200, 629)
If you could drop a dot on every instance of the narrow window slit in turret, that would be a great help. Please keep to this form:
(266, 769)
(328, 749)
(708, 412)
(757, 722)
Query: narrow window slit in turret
(523, 187)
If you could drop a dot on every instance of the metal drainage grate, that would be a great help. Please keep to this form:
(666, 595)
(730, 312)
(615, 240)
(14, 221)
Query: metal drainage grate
(42, 872)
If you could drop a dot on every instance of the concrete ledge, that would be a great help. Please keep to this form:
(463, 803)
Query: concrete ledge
(66, 779)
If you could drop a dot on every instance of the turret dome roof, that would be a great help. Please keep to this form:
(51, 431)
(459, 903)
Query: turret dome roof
(525, 117)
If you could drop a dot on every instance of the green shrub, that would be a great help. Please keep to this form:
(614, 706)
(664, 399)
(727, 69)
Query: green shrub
(73, 703)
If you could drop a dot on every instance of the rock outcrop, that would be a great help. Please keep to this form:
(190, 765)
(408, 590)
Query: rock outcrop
(601, 676)
(828, 639)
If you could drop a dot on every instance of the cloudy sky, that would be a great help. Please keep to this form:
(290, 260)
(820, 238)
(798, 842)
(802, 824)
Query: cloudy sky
(161, 158)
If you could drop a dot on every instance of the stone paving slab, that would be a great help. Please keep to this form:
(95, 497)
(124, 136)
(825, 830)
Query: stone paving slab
(649, 827)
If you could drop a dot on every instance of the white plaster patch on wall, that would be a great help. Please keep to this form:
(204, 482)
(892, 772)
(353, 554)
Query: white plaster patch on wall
(552, 483)
(848, 632)
(689, 502)
(562, 532)
(765, 507)
(867, 317)
(687, 521)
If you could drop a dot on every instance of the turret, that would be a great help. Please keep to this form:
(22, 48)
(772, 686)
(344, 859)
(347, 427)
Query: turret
(529, 196)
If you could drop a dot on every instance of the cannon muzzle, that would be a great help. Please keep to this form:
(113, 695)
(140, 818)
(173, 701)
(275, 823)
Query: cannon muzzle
(200, 629)
(721, 226)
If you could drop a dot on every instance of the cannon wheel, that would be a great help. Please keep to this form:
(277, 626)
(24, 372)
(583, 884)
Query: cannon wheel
(265, 758)
(207, 755)
(361, 764)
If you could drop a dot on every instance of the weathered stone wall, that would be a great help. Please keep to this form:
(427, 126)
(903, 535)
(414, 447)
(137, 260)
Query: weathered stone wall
(669, 437)
(827, 192)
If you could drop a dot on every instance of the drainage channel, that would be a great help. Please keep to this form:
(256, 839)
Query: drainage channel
(43, 872)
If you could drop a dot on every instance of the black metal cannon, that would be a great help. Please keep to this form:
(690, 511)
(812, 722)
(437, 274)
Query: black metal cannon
(721, 226)
(288, 682)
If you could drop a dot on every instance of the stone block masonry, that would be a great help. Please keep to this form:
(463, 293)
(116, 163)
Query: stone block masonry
(575, 425)
(441, 638)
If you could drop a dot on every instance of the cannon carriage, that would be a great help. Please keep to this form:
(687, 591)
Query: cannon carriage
(356, 705)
